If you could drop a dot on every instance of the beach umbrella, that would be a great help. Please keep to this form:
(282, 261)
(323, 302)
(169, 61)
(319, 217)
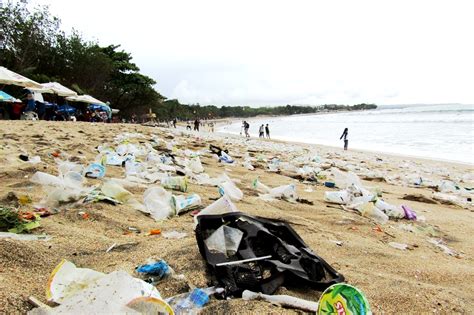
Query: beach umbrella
(55, 88)
(4, 97)
(11, 78)
(85, 99)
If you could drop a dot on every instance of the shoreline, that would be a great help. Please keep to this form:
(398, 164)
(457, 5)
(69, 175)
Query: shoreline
(220, 124)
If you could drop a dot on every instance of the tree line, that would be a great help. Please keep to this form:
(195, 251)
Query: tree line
(33, 44)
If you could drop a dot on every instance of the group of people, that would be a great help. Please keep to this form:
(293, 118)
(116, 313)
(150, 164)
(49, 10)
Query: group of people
(197, 124)
(263, 131)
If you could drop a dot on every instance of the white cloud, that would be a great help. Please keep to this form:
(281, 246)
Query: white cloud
(278, 52)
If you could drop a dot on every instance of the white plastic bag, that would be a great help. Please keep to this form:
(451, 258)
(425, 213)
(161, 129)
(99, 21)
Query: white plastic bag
(158, 203)
(220, 206)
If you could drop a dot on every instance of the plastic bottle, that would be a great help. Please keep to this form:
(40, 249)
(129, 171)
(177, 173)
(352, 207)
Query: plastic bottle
(192, 302)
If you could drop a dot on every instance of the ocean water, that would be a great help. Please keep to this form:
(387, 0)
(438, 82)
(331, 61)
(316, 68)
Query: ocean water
(444, 132)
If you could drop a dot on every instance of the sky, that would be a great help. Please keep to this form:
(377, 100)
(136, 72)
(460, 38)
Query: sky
(289, 52)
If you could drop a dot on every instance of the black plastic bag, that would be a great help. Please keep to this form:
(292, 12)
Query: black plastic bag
(291, 261)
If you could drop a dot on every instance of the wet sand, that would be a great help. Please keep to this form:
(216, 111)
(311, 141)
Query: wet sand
(421, 280)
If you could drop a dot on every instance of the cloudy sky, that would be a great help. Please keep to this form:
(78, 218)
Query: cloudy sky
(290, 52)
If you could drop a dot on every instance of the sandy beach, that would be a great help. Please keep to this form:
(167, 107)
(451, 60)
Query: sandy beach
(420, 279)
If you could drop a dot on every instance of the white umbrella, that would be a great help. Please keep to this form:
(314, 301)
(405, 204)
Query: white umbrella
(85, 99)
(12, 78)
(56, 88)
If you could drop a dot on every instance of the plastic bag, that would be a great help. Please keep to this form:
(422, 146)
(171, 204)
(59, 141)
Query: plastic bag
(230, 189)
(220, 206)
(45, 179)
(344, 180)
(158, 203)
(194, 165)
(95, 170)
(390, 210)
(260, 187)
(116, 191)
(224, 240)
(370, 211)
(340, 197)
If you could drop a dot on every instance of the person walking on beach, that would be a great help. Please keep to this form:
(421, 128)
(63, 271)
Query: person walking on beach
(246, 129)
(261, 133)
(196, 125)
(344, 135)
(267, 131)
(174, 122)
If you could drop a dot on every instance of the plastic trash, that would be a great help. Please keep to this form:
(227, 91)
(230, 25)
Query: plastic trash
(175, 183)
(447, 186)
(205, 179)
(260, 187)
(182, 204)
(73, 180)
(230, 189)
(340, 197)
(276, 255)
(344, 180)
(225, 240)
(133, 167)
(35, 159)
(95, 170)
(155, 271)
(283, 300)
(66, 280)
(116, 191)
(370, 211)
(286, 192)
(66, 166)
(399, 246)
(190, 303)
(45, 179)
(194, 165)
(85, 291)
(225, 158)
(158, 203)
(220, 206)
(112, 158)
(248, 165)
(390, 210)
(25, 237)
(408, 213)
(174, 234)
(442, 245)
(342, 298)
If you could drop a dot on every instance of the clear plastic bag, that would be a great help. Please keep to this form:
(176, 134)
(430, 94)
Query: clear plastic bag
(224, 240)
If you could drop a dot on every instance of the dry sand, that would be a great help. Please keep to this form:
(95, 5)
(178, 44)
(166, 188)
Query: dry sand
(421, 280)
